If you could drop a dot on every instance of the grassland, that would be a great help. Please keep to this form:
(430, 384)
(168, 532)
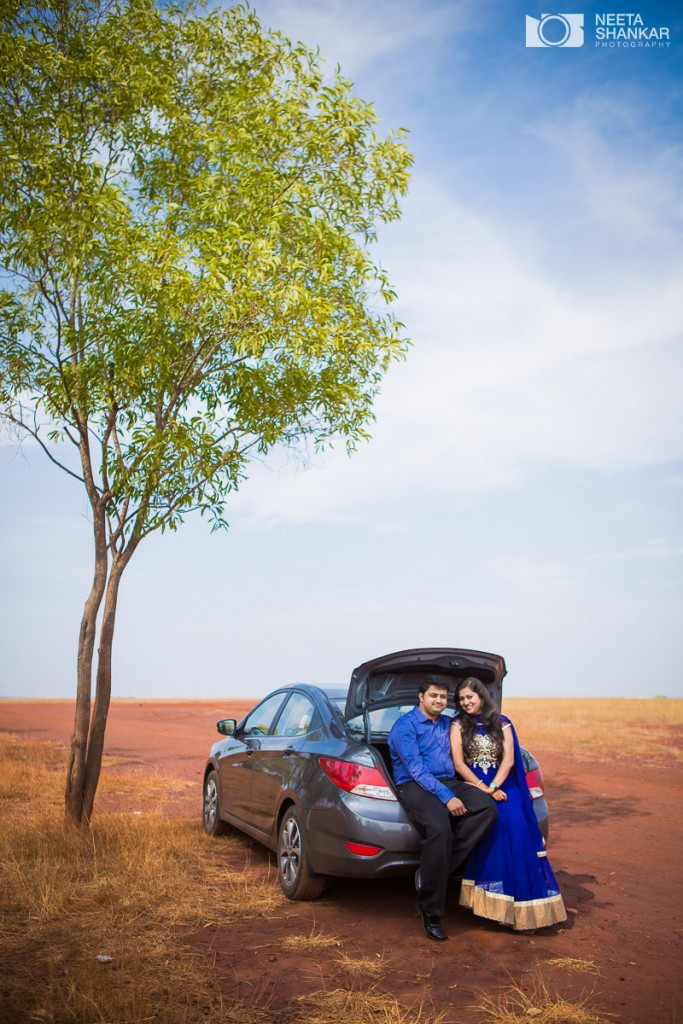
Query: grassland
(93, 922)
(90, 919)
(594, 728)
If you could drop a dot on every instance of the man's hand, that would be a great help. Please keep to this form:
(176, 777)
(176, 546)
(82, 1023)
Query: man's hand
(456, 807)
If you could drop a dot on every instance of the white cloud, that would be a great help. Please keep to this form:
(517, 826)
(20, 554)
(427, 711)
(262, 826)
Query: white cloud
(536, 576)
(656, 549)
(630, 182)
(510, 373)
(357, 35)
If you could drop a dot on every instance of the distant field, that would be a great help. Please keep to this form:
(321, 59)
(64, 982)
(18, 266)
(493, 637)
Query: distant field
(595, 727)
(588, 728)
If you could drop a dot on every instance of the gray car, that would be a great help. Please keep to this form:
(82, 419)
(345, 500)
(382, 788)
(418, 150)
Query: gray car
(307, 771)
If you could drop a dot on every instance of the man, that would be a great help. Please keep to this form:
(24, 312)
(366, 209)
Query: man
(450, 815)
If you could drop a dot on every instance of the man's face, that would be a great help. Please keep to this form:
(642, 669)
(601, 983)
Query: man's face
(432, 702)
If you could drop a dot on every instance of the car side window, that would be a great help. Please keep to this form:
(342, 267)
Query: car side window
(297, 716)
(261, 718)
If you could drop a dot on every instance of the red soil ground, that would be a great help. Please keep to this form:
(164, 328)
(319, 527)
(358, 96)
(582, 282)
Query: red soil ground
(615, 847)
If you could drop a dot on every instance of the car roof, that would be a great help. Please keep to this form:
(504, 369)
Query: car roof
(331, 692)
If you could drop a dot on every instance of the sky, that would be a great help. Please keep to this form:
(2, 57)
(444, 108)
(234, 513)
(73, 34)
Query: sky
(522, 490)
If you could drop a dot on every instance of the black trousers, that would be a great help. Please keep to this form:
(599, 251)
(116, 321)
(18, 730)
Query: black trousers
(446, 839)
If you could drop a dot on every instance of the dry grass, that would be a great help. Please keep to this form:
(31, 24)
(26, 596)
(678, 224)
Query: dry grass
(29, 768)
(314, 940)
(574, 965)
(90, 919)
(594, 727)
(128, 890)
(37, 769)
(361, 1007)
(140, 782)
(362, 967)
(542, 1007)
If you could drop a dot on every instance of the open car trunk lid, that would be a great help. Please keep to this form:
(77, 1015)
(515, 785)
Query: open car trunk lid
(395, 678)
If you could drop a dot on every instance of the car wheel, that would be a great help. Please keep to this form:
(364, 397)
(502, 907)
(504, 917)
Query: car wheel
(296, 879)
(213, 826)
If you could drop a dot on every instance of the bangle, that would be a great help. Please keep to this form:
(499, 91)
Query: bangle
(493, 786)
(479, 784)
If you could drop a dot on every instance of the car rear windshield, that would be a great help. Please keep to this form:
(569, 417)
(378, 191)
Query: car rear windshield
(382, 719)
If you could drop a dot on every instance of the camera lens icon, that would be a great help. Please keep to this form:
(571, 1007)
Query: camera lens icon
(555, 30)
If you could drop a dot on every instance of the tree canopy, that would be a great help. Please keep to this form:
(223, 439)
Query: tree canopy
(187, 212)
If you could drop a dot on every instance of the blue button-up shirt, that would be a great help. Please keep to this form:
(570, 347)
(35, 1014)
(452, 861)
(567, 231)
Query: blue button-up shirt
(421, 752)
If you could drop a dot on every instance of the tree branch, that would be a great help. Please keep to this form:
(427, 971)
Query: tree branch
(33, 432)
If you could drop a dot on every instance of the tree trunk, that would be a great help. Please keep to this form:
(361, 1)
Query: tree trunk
(76, 769)
(98, 724)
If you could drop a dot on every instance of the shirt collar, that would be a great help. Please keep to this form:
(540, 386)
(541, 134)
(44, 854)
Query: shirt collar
(425, 718)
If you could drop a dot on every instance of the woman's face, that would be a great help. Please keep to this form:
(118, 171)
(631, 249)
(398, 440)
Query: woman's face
(469, 701)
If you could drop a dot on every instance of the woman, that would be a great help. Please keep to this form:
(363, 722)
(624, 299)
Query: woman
(507, 878)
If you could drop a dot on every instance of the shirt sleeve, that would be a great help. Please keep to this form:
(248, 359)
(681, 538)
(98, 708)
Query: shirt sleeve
(407, 751)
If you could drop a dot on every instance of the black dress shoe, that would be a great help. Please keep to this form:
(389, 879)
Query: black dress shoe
(432, 925)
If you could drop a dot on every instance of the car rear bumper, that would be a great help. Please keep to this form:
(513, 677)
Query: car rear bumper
(369, 822)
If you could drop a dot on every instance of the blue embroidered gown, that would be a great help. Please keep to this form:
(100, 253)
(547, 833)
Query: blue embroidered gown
(508, 878)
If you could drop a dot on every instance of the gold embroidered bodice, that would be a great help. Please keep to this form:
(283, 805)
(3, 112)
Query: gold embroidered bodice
(484, 754)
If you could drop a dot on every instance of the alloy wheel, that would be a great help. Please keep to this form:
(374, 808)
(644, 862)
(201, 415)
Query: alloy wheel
(290, 852)
(210, 803)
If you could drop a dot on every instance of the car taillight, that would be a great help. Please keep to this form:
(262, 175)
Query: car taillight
(534, 780)
(357, 778)
(362, 850)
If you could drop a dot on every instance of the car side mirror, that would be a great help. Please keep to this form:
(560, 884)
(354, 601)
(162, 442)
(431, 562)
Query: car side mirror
(226, 726)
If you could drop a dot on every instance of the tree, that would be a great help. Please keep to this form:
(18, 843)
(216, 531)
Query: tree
(188, 210)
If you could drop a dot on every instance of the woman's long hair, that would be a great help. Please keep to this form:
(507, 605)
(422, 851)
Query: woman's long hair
(488, 715)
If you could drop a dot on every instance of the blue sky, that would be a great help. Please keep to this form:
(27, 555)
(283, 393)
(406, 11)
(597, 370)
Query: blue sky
(522, 492)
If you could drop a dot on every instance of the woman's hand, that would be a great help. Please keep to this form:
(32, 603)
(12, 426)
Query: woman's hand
(499, 795)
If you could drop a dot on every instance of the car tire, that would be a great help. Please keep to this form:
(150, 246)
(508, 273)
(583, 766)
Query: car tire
(211, 819)
(297, 881)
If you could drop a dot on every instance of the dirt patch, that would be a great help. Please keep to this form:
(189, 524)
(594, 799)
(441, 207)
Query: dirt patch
(615, 847)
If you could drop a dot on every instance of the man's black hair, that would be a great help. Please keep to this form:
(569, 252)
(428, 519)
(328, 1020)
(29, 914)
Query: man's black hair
(438, 681)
